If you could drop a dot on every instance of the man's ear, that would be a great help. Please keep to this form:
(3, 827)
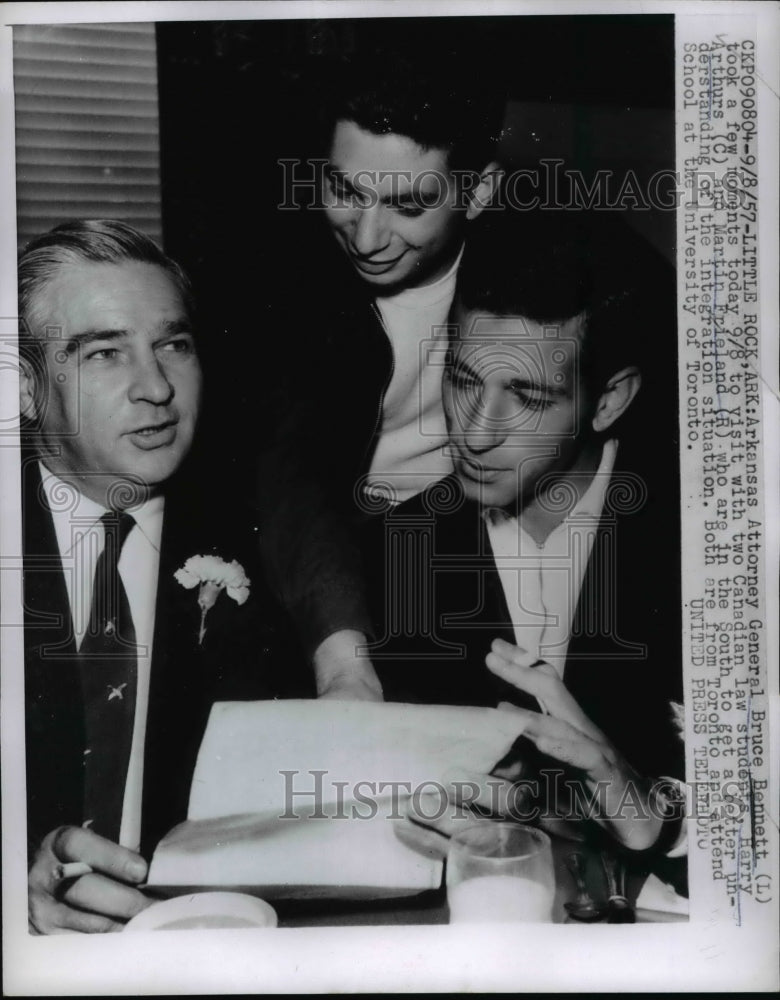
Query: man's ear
(618, 395)
(28, 390)
(483, 194)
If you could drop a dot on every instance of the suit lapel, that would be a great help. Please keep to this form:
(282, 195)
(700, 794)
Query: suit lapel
(55, 740)
(177, 710)
(47, 609)
(632, 657)
(604, 643)
(188, 675)
(446, 557)
(600, 628)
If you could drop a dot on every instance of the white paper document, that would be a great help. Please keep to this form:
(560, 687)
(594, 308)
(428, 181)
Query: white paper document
(301, 797)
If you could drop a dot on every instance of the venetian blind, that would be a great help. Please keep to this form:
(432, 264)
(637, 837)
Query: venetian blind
(87, 126)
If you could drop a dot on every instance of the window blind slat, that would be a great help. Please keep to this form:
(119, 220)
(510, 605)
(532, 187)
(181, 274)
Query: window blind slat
(85, 206)
(68, 61)
(97, 179)
(92, 92)
(90, 81)
(39, 158)
(92, 36)
(101, 187)
(77, 142)
(87, 125)
(92, 108)
(79, 125)
(37, 215)
(127, 28)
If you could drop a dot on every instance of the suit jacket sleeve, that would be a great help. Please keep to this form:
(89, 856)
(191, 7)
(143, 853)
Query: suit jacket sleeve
(322, 408)
(308, 542)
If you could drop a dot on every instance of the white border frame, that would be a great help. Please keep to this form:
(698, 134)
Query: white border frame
(706, 955)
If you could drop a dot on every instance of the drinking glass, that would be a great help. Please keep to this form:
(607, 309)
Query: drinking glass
(500, 872)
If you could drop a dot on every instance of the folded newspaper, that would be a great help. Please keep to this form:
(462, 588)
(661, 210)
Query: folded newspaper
(300, 798)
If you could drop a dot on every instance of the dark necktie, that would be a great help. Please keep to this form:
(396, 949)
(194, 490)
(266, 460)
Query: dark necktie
(109, 667)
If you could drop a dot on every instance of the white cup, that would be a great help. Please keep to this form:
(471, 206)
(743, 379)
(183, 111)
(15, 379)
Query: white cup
(500, 872)
(200, 910)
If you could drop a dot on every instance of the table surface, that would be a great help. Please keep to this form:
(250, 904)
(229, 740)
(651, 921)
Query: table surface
(430, 907)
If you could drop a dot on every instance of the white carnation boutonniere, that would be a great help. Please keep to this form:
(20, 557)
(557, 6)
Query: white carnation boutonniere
(213, 575)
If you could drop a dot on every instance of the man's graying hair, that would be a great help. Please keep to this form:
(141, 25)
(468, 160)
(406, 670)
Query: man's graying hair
(93, 241)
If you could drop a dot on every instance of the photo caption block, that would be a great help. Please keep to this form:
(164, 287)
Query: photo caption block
(723, 527)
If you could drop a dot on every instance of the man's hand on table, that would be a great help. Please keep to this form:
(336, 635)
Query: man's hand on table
(102, 900)
(342, 673)
(567, 735)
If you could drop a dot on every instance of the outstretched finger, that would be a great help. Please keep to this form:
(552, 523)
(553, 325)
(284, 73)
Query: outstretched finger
(47, 916)
(72, 921)
(565, 743)
(533, 680)
(99, 894)
(74, 843)
(495, 794)
(511, 651)
(437, 812)
(542, 681)
(521, 657)
(425, 840)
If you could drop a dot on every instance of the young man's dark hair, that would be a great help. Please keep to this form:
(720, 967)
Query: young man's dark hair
(553, 265)
(427, 97)
(550, 266)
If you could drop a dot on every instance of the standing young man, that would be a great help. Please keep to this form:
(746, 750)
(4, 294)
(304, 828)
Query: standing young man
(409, 165)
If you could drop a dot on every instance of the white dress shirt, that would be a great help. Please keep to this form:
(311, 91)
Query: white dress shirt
(80, 539)
(411, 451)
(542, 582)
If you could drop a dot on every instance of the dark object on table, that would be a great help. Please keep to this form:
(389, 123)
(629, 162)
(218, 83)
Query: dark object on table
(584, 908)
(620, 911)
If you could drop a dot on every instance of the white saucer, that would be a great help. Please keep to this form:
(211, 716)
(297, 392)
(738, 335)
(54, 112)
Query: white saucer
(203, 910)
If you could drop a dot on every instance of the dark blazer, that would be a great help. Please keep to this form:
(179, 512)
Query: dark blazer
(247, 653)
(330, 364)
(438, 603)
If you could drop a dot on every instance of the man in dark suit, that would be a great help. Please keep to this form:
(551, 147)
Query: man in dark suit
(545, 570)
(138, 613)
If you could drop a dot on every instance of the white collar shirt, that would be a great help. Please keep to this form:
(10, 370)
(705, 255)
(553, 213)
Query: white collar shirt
(80, 540)
(411, 451)
(542, 582)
